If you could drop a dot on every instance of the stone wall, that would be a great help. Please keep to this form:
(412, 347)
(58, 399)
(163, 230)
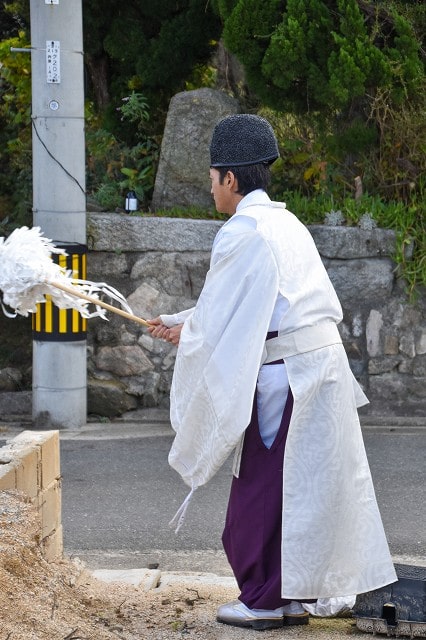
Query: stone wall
(159, 264)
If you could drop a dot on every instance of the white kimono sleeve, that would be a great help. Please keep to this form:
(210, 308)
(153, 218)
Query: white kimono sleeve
(219, 355)
(170, 320)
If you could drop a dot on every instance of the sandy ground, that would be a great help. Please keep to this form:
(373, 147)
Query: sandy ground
(63, 601)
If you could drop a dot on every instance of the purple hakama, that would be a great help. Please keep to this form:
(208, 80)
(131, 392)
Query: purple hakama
(252, 534)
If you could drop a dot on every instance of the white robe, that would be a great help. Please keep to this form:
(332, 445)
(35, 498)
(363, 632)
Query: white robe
(333, 543)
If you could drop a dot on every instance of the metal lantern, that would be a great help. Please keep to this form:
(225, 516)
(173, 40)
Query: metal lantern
(131, 202)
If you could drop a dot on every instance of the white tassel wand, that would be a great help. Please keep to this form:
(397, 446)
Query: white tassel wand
(28, 274)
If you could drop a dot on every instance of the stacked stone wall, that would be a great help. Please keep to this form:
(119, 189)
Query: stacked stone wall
(159, 264)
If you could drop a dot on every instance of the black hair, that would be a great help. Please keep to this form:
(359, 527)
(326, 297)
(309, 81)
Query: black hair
(249, 178)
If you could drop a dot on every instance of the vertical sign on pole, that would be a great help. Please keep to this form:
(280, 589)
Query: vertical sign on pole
(53, 62)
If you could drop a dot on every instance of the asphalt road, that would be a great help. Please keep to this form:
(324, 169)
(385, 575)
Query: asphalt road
(118, 496)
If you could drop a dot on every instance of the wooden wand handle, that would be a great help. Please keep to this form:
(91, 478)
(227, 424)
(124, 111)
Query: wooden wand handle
(100, 303)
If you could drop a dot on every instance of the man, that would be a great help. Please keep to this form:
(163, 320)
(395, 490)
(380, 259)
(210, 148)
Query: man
(260, 368)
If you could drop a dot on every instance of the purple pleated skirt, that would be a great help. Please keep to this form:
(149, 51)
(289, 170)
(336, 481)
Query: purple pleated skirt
(252, 534)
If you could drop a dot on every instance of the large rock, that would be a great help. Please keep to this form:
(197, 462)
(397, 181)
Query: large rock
(15, 403)
(366, 280)
(108, 398)
(123, 360)
(10, 379)
(148, 302)
(115, 232)
(176, 273)
(183, 172)
(351, 242)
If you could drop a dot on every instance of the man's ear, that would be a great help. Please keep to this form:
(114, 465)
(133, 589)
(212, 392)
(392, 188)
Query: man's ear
(231, 181)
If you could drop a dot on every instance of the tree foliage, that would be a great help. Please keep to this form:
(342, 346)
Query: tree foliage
(314, 55)
(347, 71)
(150, 47)
(15, 127)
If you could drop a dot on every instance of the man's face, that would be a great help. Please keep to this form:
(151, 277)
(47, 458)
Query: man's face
(223, 194)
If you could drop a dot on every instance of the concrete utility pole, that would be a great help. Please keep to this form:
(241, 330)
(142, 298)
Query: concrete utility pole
(59, 203)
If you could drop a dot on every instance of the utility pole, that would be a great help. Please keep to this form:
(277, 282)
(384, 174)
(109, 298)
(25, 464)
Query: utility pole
(59, 204)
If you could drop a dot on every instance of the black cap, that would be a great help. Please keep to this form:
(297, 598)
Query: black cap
(241, 140)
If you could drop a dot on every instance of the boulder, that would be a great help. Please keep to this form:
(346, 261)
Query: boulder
(10, 379)
(183, 172)
(108, 398)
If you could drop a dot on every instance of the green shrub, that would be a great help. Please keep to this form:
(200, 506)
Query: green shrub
(114, 168)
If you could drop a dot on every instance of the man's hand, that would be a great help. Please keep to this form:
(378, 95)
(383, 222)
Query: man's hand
(159, 330)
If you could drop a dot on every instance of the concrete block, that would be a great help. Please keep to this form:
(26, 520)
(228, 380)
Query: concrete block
(145, 578)
(53, 545)
(28, 471)
(50, 506)
(48, 444)
(50, 460)
(7, 476)
(7, 454)
(30, 463)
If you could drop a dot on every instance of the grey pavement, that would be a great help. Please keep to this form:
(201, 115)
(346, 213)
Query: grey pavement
(119, 494)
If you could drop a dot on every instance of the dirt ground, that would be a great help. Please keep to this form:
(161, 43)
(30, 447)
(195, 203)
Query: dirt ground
(63, 601)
